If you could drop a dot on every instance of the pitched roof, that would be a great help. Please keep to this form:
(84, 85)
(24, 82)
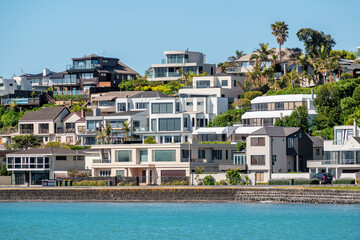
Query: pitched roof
(77, 113)
(150, 94)
(116, 94)
(122, 68)
(87, 57)
(276, 131)
(357, 139)
(51, 75)
(44, 114)
(317, 141)
(47, 151)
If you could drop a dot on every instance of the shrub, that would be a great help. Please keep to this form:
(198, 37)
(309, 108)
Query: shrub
(208, 180)
(199, 170)
(221, 182)
(241, 145)
(149, 140)
(130, 184)
(90, 183)
(344, 181)
(253, 94)
(233, 177)
(296, 181)
(121, 184)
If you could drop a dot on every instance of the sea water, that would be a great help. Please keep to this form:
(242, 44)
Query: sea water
(104, 220)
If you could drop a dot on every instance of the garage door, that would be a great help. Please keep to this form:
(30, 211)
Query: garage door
(173, 173)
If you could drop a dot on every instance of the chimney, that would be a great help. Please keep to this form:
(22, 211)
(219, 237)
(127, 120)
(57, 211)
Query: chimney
(82, 113)
(46, 72)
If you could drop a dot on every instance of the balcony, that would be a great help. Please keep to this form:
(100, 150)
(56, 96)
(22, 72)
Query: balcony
(27, 163)
(20, 101)
(341, 162)
(71, 93)
(82, 67)
(43, 131)
(101, 161)
(66, 130)
(142, 129)
(26, 131)
(65, 82)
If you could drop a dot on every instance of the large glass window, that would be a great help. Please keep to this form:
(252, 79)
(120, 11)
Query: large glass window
(239, 159)
(169, 124)
(143, 155)
(279, 106)
(164, 155)
(87, 75)
(290, 143)
(257, 159)
(123, 156)
(153, 125)
(162, 108)
(224, 83)
(142, 105)
(216, 154)
(203, 84)
(120, 173)
(121, 107)
(201, 153)
(257, 141)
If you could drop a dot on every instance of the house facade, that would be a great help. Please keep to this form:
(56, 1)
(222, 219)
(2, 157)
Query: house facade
(170, 67)
(265, 110)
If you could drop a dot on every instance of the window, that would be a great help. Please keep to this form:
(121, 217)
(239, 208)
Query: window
(201, 154)
(81, 128)
(69, 139)
(257, 159)
(120, 173)
(177, 139)
(224, 83)
(185, 153)
(239, 159)
(58, 139)
(123, 156)
(177, 106)
(257, 141)
(185, 122)
(143, 105)
(290, 143)
(216, 154)
(87, 75)
(162, 108)
(169, 124)
(104, 173)
(227, 154)
(279, 106)
(143, 155)
(61, 158)
(168, 139)
(273, 159)
(200, 103)
(234, 83)
(164, 155)
(189, 104)
(317, 152)
(121, 107)
(153, 125)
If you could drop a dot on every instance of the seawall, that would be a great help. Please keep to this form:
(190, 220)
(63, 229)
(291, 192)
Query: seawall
(182, 194)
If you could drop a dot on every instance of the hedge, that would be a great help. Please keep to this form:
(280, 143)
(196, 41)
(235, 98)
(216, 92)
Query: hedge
(344, 181)
(296, 181)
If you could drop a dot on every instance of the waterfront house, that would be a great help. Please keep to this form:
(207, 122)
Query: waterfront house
(277, 150)
(265, 110)
(169, 69)
(151, 162)
(31, 166)
(341, 155)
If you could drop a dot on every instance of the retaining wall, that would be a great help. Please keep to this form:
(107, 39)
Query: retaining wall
(191, 194)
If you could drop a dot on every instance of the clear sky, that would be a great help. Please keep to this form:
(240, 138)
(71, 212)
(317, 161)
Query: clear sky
(38, 34)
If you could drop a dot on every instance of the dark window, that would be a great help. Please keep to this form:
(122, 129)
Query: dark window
(169, 124)
(201, 154)
(216, 154)
(161, 108)
(257, 141)
(62, 158)
(257, 159)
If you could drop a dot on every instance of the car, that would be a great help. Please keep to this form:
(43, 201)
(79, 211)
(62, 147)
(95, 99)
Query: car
(324, 178)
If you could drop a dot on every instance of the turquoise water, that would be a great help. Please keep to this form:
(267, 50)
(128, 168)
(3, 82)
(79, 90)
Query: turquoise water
(46, 220)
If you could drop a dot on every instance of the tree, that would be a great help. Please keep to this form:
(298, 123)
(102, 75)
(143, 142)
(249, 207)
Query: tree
(149, 140)
(4, 171)
(298, 118)
(262, 53)
(238, 54)
(126, 128)
(228, 118)
(105, 133)
(280, 31)
(233, 176)
(241, 145)
(25, 141)
(313, 40)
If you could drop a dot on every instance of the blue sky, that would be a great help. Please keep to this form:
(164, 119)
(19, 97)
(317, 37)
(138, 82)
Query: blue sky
(37, 34)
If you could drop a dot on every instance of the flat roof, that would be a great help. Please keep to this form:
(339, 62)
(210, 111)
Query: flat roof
(282, 98)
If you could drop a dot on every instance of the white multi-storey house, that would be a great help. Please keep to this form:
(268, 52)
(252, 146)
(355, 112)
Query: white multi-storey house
(169, 69)
(265, 110)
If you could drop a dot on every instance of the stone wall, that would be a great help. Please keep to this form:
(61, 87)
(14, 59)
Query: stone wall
(191, 194)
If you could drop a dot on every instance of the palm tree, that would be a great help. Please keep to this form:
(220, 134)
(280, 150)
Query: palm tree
(126, 128)
(280, 31)
(186, 76)
(262, 54)
(105, 133)
(238, 54)
(267, 73)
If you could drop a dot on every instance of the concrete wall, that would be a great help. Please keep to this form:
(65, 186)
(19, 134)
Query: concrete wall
(291, 175)
(5, 180)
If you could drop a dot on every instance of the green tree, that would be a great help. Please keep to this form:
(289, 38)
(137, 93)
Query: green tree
(4, 171)
(240, 145)
(298, 118)
(149, 140)
(228, 118)
(233, 176)
(126, 127)
(313, 40)
(252, 94)
(238, 54)
(25, 141)
(105, 133)
(281, 31)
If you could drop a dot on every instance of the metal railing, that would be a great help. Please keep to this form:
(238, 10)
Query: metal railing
(26, 131)
(82, 67)
(43, 131)
(341, 162)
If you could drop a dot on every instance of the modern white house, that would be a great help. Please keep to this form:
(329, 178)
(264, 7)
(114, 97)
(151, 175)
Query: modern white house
(342, 155)
(169, 69)
(214, 86)
(34, 165)
(277, 150)
(151, 162)
(265, 110)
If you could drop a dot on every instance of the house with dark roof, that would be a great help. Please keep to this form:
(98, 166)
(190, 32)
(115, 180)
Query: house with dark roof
(31, 166)
(341, 155)
(318, 147)
(277, 150)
